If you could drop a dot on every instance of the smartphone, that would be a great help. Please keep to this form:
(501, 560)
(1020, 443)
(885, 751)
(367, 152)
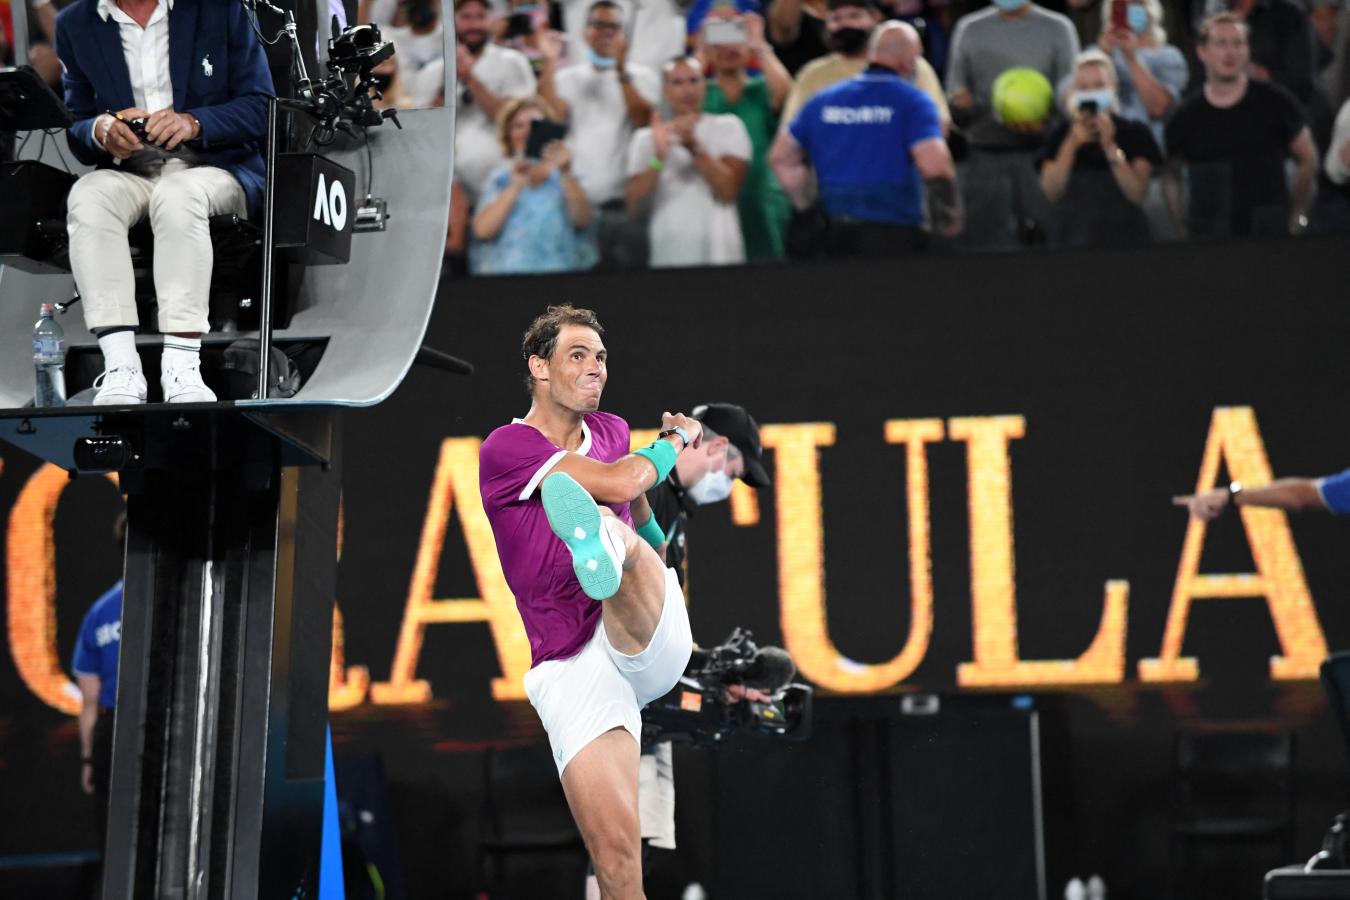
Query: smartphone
(1120, 18)
(519, 24)
(724, 31)
(542, 133)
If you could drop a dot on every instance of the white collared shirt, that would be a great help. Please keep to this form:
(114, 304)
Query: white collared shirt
(147, 54)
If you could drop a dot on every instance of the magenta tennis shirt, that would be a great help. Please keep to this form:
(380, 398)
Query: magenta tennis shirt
(559, 617)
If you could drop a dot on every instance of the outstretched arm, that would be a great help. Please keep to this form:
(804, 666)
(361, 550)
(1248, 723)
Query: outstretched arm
(1289, 494)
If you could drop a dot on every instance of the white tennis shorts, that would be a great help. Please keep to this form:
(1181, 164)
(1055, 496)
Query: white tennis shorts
(580, 698)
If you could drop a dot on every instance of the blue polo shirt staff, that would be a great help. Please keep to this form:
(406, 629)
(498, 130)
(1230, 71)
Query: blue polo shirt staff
(877, 148)
(95, 668)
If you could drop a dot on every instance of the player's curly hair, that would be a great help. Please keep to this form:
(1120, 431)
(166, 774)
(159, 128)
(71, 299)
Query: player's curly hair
(541, 338)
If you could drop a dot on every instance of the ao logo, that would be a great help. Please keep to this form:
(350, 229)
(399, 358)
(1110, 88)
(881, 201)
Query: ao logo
(330, 204)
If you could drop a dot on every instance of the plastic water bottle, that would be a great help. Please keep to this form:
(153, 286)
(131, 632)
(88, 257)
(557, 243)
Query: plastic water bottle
(49, 359)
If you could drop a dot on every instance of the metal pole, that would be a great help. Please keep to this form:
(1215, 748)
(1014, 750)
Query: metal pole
(18, 10)
(269, 201)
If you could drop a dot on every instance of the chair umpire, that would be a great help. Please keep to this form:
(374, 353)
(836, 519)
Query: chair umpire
(194, 70)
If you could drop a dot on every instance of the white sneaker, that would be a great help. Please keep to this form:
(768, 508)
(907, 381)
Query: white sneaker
(120, 386)
(185, 386)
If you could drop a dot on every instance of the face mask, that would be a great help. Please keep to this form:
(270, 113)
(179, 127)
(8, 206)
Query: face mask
(849, 40)
(1137, 17)
(600, 62)
(1010, 6)
(1105, 98)
(711, 488)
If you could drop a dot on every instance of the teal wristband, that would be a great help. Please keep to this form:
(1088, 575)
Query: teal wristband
(652, 533)
(662, 455)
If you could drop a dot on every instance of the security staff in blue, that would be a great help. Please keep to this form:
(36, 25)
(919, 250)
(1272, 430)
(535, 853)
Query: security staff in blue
(170, 102)
(876, 145)
(1328, 494)
(95, 668)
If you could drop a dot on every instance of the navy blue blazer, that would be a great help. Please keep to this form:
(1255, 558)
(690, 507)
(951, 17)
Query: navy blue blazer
(219, 75)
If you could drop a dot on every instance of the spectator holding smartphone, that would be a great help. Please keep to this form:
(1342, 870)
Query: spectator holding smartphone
(531, 212)
(729, 43)
(1151, 74)
(686, 175)
(527, 30)
(1096, 166)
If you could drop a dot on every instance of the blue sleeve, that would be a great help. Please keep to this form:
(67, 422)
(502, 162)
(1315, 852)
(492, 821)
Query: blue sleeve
(1335, 491)
(922, 123)
(86, 658)
(243, 118)
(79, 95)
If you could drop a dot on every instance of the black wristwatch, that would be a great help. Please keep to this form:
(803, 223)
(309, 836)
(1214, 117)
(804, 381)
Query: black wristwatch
(1234, 488)
(684, 435)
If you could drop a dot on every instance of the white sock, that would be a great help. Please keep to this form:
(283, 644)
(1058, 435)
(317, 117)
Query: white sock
(119, 351)
(180, 353)
(614, 531)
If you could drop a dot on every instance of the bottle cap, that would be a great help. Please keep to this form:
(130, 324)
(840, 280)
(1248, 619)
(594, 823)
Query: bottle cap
(48, 309)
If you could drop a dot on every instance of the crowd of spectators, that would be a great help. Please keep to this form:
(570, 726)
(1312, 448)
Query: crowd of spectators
(724, 131)
(693, 132)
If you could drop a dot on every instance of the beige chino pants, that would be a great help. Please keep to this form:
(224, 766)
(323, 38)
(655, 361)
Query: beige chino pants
(179, 200)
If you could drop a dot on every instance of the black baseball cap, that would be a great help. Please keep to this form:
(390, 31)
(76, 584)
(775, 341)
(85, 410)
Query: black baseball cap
(739, 427)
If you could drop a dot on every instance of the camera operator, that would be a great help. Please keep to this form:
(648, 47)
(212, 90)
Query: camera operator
(1096, 166)
(731, 449)
(183, 146)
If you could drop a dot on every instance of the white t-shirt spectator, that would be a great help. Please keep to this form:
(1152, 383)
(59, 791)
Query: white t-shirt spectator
(507, 74)
(1337, 170)
(382, 12)
(689, 226)
(421, 65)
(655, 36)
(599, 129)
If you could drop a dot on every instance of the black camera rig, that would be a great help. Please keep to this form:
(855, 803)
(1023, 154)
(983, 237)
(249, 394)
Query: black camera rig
(702, 710)
(344, 99)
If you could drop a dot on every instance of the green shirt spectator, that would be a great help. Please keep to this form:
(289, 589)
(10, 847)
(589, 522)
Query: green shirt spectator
(731, 42)
(763, 206)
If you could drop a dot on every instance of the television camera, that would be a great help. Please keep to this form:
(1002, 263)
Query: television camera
(704, 707)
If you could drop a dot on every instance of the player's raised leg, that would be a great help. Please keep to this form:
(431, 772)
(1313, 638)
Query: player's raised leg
(612, 563)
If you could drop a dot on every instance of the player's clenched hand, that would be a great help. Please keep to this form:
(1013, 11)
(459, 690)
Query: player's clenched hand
(692, 427)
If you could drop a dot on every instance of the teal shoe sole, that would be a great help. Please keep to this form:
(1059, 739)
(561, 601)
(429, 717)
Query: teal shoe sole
(576, 520)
